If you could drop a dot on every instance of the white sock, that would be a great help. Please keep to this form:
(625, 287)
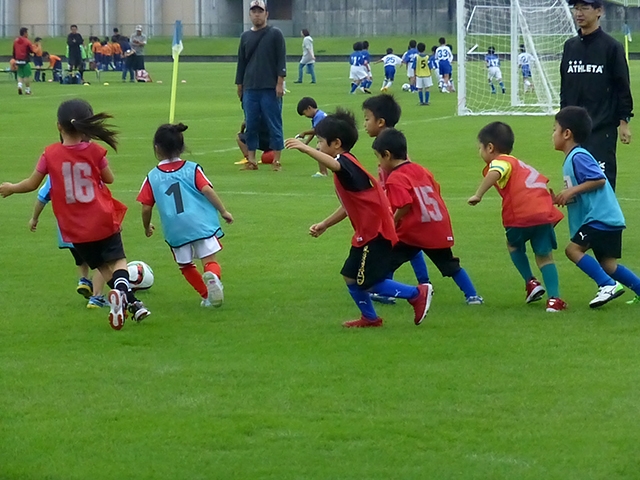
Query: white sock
(19, 84)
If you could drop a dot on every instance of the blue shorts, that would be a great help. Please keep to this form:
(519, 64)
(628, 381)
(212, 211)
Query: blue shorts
(445, 67)
(526, 71)
(390, 72)
(542, 238)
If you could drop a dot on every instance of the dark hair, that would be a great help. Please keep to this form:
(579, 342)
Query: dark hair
(23, 30)
(434, 48)
(38, 39)
(357, 46)
(305, 32)
(491, 50)
(385, 107)
(116, 30)
(340, 125)
(421, 47)
(45, 54)
(577, 120)
(74, 25)
(304, 103)
(392, 141)
(365, 45)
(442, 41)
(522, 49)
(76, 116)
(169, 139)
(389, 51)
(500, 135)
(412, 44)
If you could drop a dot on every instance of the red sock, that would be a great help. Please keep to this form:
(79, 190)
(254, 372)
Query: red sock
(213, 267)
(192, 275)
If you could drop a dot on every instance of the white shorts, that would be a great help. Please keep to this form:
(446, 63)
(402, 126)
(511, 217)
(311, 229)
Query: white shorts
(185, 254)
(424, 82)
(494, 73)
(358, 73)
(410, 72)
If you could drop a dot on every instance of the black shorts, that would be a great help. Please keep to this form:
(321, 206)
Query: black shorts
(77, 257)
(102, 251)
(369, 264)
(603, 243)
(442, 258)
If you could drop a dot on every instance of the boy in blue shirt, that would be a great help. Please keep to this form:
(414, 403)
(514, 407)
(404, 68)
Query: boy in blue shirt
(367, 56)
(308, 107)
(595, 218)
(359, 71)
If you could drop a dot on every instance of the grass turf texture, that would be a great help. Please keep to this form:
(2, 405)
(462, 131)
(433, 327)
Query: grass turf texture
(270, 385)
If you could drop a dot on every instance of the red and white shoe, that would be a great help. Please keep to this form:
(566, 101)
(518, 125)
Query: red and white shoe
(117, 312)
(555, 305)
(363, 323)
(422, 302)
(535, 291)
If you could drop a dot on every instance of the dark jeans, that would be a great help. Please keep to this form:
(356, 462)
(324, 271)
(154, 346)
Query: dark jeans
(602, 145)
(127, 67)
(37, 62)
(263, 105)
(310, 70)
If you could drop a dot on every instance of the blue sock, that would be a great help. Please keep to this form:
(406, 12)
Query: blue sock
(521, 261)
(420, 268)
(353, 87)
(627, 278)
(464, 283)
(391, 288)
(427, 94)
(550, 279)
(363, 301)
(420, 96)
(493, 89)
(591, 267)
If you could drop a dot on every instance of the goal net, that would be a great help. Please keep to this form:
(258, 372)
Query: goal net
(509, 54)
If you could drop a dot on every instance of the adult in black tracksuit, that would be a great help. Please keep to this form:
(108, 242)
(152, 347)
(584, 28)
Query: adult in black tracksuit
(595, 75)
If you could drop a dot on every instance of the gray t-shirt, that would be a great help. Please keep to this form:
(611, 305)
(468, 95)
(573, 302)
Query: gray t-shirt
(307, 50)
(139, 49)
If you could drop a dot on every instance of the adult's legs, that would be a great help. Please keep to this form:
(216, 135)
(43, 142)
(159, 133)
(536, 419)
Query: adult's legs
(602, 145)
(311, 70)
(271, 108)
(252, 115)
(300, 70)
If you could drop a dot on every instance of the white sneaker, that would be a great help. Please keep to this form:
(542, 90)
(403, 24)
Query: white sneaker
(205, 303)
(116, 314)
(606, 294)
(214, 287)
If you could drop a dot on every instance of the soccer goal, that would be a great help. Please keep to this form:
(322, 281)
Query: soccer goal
(527, 36)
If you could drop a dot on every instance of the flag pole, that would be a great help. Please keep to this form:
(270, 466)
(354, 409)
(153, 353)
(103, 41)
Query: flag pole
(176, 48)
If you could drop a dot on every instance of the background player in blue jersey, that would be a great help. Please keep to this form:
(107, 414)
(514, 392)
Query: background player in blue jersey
(308, 107)
(359, 70)
(444, 56)
(525, 59)
(390, 62)
(367, 56)
(407, 59)
(189, 209)
(435, 67)
(493, 70)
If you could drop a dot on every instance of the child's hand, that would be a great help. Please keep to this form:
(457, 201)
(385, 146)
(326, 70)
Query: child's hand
(149, 230)
(6, 189)
(227, 217)
(474, 200)
(294, 144)
(33, 224)
(317, 229)
(563, 197)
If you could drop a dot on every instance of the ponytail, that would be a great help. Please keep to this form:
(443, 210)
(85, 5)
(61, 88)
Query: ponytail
(76, 116)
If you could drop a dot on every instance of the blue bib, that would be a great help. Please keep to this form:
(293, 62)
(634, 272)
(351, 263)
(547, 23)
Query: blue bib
(185, 213)
(600, 205)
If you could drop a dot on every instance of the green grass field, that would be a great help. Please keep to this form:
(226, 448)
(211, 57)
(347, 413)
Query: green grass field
(270, 385)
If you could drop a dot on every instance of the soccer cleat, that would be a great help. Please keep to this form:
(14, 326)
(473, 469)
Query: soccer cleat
(421, 302)
(535, 291)
(97, 301)
(318, 175)
(363, 323)
(116, 313)
(606, 294)
(205, 303)
(85, 288)
(276, 166)
(555, 305)
(474, 300)
(138, 311)
(19, 90)
(249, 166)
(366, 90)
(375, 297)
(214, 288)
(241, 162)
(634, 300)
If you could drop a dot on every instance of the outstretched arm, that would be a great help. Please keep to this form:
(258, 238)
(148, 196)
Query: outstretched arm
(322, 158)
(26, 185)
(488, 182)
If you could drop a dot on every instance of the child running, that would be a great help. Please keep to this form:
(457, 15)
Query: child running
(87, 214)
(528, 214)
(391, 62)
(595, 218)
(367, 207)
(421, 216)
(188, 208)
(308, 107)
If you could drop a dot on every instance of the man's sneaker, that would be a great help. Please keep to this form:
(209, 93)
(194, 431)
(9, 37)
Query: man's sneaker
(535, 291)
(85, 288)
(97, 301)
(475, 300)
(422, 302)
(375, 297)
(606, 294)
(276, 166)
(205, 303)
(138, 311)
(634, 300)
(249, 166)
(117, 312)
(214, 288)
(363, 323)
(555, 305)
(241, 162)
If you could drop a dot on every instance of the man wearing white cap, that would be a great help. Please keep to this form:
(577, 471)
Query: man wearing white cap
(138, 41)
(260, 75)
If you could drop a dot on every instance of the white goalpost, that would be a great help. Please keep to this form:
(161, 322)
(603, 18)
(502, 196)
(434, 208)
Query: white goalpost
(521, 33)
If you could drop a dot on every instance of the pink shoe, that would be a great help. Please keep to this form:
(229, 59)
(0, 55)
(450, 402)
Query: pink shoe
(535, 291)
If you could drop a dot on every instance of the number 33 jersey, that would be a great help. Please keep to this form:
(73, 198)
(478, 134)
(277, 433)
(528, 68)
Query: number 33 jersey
(82, 203)
(427, 223)
(185, 213)
(526, 201)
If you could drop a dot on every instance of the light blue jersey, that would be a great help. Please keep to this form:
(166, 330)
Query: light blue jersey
(317, 118)
(599, 206)
(44, 197)
(492, 60)
(185, 213)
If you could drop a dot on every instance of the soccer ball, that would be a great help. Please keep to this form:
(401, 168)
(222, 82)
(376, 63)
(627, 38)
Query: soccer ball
(406, 87)
(140, 275)
(267, 157)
